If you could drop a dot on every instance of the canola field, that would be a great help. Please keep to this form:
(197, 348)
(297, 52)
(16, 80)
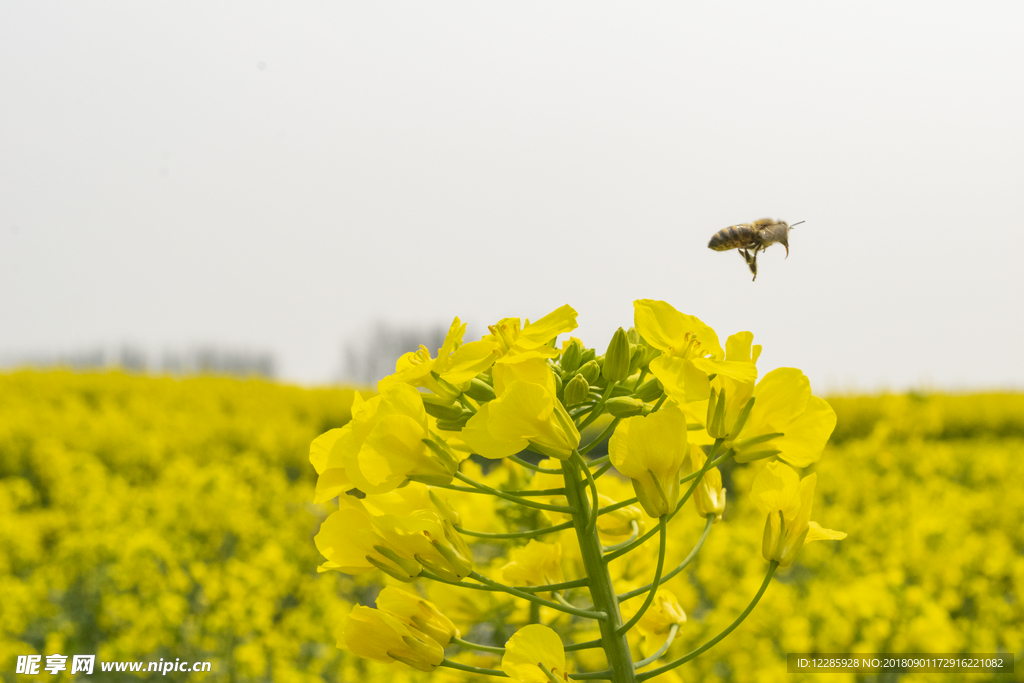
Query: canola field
(154, 518)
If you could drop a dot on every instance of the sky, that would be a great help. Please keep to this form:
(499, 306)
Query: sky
(280, 177)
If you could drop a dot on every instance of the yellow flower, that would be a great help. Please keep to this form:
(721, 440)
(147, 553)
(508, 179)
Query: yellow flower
(376, 635)
(325, 456)
(535, 564)
(786, 500)
(456, 364)
(525, 413)
(350, 543)
(389, 441)
(784, 404)
(664, 613)
(531, 647)
(709, 496)
(430, 540)
(515, 340)
(650, 451)
(418, 613)
(686, 338)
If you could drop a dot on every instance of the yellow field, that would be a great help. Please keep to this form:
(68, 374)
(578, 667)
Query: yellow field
(147, 518)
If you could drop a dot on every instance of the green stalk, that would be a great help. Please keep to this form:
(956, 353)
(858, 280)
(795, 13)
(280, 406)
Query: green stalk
(530, 466)
(602, 591)
(682, 565)
(472, 669)
(661, 650)
(714, 641)
(476, 646)
(514, 499)
(575, 611)
(604, 435)
(663, 526)
(598, 409)
(516, 534)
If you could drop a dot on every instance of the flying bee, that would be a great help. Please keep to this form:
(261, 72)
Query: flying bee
(749, 238)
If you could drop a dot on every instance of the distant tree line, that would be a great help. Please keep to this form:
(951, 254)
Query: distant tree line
(200, 360)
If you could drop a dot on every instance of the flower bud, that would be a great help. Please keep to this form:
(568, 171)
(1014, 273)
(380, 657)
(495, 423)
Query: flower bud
(457, 424)
(587, 356)
(576, 391)
(479, 390)
(715, 424)
(590, 371)
(649, 391)
(441, 408)
(636, 358)
(617, 357)
(571, 357)
(624, 406)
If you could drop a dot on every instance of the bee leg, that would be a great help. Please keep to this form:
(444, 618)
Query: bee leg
(752, 262)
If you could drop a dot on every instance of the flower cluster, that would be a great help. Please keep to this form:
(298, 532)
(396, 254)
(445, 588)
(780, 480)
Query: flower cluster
(512, 421)
(154, 516)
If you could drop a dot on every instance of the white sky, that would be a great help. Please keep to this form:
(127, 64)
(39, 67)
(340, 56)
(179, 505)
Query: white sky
(279, 176)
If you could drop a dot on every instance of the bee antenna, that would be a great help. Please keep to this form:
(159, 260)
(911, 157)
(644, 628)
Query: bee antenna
(796, 224)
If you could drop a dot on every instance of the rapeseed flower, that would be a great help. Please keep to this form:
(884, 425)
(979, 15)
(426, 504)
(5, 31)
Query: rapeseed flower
(525, 413)
(530, 648)
(448, 374)
(650, 451)
(389, 441)
(417, 613)
(377, 635)
(786, 500)
(535, 564)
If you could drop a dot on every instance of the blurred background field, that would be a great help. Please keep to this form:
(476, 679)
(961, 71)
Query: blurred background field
(148, 517)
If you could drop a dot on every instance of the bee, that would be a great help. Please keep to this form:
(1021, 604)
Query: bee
(749, 238)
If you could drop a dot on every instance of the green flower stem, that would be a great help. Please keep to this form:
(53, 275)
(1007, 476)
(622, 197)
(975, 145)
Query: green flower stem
(516, 534)
(714, 641)
(659, 403)
(597, 461)
(599, 408)
(515, 499)
(681, 567)
(661, 650)
(472, 669)
(595, 502)
(663, 542)
(682, 501)
(636, 532)
(530, 466)
(498, 588)
(600, 616)
(534, 613)
(585, 645)
(605, 675)
(604, 468)
(476, 646)
(604, 435)
(615, 506)
(602, 592)
(525, 493)
(552, 678)
(561, 598)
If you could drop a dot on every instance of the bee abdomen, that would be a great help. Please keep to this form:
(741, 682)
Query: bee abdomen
(733, 237)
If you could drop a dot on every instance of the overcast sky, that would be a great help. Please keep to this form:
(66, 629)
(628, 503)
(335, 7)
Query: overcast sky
(279, 176)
